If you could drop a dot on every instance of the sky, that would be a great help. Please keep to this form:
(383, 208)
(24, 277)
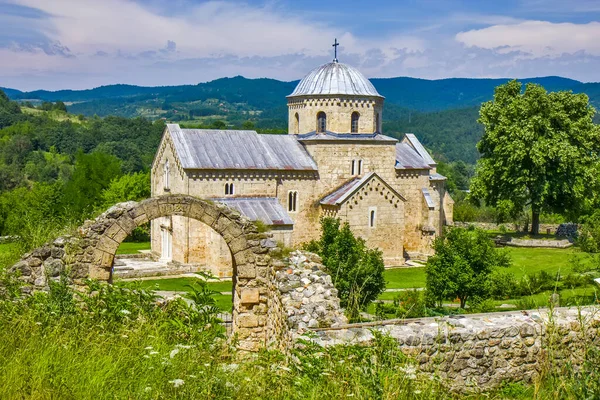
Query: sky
(79, 44)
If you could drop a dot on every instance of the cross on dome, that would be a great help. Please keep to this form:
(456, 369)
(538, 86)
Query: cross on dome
(335, 45)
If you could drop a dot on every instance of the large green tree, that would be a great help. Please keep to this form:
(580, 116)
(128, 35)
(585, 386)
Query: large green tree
(462, 265)
(540, 150)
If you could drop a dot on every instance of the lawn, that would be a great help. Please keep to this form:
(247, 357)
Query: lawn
(525, 261)
(132, 247)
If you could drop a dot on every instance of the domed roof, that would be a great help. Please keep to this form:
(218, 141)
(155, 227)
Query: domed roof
(335, 78)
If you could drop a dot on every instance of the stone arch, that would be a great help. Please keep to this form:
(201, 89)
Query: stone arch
(90, 254)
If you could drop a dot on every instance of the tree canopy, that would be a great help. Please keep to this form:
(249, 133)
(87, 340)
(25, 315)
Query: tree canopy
(461, 267)
(539, 150)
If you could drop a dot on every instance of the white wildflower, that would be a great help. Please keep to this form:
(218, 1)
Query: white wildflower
(124, 336)
(230, 367)
(417, 392)
(184, 346)
(146, 356)
(173, 353)
(152, 353)
(177, 382)
(207, 365)
(147, 389)
(148, 348)
(125, 312)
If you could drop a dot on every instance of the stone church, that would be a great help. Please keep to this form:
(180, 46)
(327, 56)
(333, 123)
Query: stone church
(334, 162)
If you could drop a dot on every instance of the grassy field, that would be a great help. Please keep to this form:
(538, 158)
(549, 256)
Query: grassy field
(132, 247)
(525, 261)
(9, 254)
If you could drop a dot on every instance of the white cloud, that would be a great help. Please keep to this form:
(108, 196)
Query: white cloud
(537, 38)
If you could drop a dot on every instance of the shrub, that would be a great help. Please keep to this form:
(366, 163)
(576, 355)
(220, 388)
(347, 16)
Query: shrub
(356, 270)
(589, 239)
(503, 285)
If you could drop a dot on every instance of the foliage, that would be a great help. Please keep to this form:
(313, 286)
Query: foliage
(125, 188)
(589, 236)
(462, 265)
(356, 271)
(539, 149)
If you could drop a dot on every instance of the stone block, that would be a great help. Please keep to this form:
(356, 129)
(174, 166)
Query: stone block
(151, 209)
(246, 271)
(244, 257)
(126, 223)
(250, 296)
(247, 321)
(107, 245)
(99, 273)
(238, 244)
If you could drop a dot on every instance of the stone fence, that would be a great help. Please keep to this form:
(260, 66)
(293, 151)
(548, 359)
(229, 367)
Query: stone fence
(478, 352)
(491, 226)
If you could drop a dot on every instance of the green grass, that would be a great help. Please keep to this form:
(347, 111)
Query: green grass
(525, 261)
(9, 254)
(132, 247)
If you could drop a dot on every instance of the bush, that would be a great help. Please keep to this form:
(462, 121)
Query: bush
(356, 270)
(589, 239)
(503, 285)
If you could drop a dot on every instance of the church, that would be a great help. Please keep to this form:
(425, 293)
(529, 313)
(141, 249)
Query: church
(334, 162)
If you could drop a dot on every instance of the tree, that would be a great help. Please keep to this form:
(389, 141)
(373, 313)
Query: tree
(127, 187)
(356, 270)
(92, 175)
(540, 150)
(462, 264)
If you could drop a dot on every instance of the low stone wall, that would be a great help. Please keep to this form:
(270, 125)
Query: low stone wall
(537, 243)
(491, 226)
(479, 352)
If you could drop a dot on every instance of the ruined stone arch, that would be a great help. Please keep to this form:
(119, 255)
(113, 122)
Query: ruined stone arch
(91, 253)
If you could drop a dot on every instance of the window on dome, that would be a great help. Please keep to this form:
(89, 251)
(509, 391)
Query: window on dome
(354, 126)
(377, 128)
(321, 122)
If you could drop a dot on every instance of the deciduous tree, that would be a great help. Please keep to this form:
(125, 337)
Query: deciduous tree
(540, 150)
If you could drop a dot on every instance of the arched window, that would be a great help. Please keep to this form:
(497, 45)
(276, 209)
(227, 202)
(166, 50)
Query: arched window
(372, 216)
(359, 167)
(296, 124)
(353, 167)
(321, 122)
(229, 189)
(166, 175)
(377, 122)
(292, 201)
(354, 125)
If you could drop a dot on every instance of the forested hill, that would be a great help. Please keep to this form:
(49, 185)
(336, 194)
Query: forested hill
(410, 93)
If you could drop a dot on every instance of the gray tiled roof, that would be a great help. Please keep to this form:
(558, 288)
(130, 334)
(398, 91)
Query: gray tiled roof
(228, 149)
(414, 142)
(340, 195)
(428, 199)
(437, 177)
(408, 158)
(335, 78)
(266, 209)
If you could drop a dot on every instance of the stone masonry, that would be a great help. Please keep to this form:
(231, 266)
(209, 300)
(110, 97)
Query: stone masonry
(478, 352)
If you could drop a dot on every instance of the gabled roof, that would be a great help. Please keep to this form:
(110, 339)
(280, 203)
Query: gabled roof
(415, 144)
(265, 209)
(331, 136)
(344, 192)
(229, 149)
(408, 158)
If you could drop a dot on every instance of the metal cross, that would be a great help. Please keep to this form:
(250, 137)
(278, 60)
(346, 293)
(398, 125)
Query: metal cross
(335, 45)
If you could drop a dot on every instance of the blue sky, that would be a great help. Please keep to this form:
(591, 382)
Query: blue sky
(79, 44)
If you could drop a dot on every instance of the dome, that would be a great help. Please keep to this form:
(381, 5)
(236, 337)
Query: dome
(335, 78)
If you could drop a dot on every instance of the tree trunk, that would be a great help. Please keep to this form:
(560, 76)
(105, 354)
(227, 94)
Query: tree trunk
(463, 302)
(535, 222)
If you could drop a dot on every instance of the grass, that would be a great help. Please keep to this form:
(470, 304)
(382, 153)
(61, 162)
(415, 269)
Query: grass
(132, 247)
(9, 254)
(525, 261)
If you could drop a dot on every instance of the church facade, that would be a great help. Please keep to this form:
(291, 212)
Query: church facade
(334, 162)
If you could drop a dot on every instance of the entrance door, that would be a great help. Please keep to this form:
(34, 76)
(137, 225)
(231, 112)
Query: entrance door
(167, 245)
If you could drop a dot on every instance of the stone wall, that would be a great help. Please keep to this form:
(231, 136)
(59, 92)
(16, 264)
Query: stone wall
(491, 226)
(477, 352)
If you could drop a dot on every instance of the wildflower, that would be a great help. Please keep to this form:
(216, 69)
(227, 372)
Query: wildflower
(173, 353)
(153, 353)
(147, 389)
(417, 392)
(124, 336)
(146, 356)
(125, 312)
(184, 346)
(148, 348)
(207, 365)
(177, 382)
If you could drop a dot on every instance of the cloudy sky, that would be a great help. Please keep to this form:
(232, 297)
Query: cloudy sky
(57, 44)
